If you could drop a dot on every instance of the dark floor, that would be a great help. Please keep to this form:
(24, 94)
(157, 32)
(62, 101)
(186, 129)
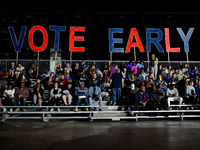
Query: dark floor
(78, 135)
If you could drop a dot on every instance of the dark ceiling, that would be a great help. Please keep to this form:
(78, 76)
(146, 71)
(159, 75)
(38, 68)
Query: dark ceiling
(97, 18)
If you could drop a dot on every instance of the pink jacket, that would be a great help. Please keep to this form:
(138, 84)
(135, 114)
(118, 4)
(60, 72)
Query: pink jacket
(134, 69)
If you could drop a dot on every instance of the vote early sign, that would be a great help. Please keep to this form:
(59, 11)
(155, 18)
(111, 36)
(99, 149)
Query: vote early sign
(18, 42)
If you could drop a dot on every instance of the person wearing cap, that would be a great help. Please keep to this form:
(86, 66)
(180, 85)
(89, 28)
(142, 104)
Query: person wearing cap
(82, 94)
(117, 82)
(94, 94)
(141, 97)
(173, 95)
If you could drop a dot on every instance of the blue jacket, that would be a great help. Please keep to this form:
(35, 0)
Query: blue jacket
(97, 91)
(142, 97)
(77, 92)
(188, 90)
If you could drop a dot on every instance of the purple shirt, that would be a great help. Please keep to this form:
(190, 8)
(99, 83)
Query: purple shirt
(112, 70)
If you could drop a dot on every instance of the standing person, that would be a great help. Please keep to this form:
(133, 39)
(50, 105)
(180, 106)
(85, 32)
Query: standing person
(105, 79)
(173, 95)
(117, 83)
(82, 94)
(94, 94)
(55, 94)
(154, 65)
(21, 94)
(9, 97)
(112, 69)
(38, 92)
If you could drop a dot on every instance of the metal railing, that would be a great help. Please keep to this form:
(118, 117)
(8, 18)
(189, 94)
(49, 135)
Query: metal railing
(48, 65)
(90, 115)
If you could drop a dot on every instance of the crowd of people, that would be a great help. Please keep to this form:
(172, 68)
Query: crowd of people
(130, 82)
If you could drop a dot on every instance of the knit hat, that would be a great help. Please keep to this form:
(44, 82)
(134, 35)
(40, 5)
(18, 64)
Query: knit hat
(163, 69)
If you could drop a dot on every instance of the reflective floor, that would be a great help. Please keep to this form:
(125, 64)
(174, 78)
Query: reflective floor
(97, 135)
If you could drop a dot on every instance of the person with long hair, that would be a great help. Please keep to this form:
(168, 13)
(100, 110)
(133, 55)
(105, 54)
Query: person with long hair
(55, 96)
(38, 92)
(154, 65)
(191, 92)
(49, 81)
(9, 96)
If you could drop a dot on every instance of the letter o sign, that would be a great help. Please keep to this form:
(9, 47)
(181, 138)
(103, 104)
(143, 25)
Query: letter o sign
(45, 38)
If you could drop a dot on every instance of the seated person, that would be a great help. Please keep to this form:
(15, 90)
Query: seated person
(67, 69)
(84, 79)
(32, 71)
(58, 69)
(173, 79)
(172, 95)
(67, 76)
(191, 93)
(38, 92)
(161, 81)
(12, 70)
(68, 94)
(3, 82)
(82, 94)
(21, 94)
(19, 69)
(156, 98)
(49, 81)
(55, 94)
(141, 97)
(94, 94)
(24, 75)
(94, 78)
(131, 95)
(9, 95)
(62, 82)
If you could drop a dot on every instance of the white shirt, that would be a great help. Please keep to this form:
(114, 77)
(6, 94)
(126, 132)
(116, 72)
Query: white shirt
(19, 70)
(11, 92)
